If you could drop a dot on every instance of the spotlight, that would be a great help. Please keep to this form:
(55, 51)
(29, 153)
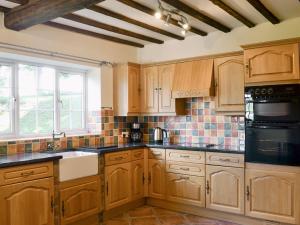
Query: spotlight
(183, 32)
(158, 14)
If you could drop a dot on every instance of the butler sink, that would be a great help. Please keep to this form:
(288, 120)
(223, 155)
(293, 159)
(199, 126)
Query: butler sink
(77, 164)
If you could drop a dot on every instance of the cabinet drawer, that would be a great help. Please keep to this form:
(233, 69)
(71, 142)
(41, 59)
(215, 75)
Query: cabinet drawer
(186, 168)
(19, 174)
(225, 159)
(186, 156)
(137, 154)
(117, 157)
(157, 153)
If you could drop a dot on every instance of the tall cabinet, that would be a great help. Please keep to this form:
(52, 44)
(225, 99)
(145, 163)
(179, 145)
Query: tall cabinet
(156, 90)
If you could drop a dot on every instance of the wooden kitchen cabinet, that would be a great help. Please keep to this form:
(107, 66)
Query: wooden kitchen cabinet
(186, 189)
(272, 193)
(156, 177)
(138, 179)
(156, 90)
(127, 89)
(117, 185)
(277, 63)
(229, 83)
(79, 199)
(225, 189)
(27, 203)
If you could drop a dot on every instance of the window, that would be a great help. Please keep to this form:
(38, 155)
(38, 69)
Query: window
(47, 99)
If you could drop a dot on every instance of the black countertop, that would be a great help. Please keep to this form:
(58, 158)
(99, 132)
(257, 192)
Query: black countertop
(26, 158)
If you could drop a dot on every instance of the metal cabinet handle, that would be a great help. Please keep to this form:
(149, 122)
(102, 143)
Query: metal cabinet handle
(248, 193)
(52, 204)
(207, 187)
(184, 156)
(27, 174)
(137, 154)
(184, 178)
(107, 188)
(63, 208)
(185, 169)
(119, 158)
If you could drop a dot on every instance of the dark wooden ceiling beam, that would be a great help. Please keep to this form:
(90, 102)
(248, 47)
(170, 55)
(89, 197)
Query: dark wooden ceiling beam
(118, 16)
(21, 2)
(41, 11)
(86, 32)
(264, 11)
(93, 34)
(151, 12)
(233, 13)
(97, 24)
(196, 14)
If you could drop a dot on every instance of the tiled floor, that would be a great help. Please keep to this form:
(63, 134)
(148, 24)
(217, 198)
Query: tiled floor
(147, 215)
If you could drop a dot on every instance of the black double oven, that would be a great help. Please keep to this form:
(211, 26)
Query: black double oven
(272, 117)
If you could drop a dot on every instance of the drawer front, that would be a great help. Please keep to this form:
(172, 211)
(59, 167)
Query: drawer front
(186, 168)
(225, 159)
(117, 157)
(157, 153)
(137, 154)
(185, 156)
(19, 174)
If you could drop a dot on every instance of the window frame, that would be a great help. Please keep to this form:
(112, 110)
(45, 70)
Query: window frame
(15, 111)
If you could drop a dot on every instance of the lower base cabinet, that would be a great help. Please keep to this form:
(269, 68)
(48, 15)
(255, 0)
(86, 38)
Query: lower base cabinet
(186, 189)
(157, 179)
(225, 189)
(79, 199)
(27, 203)
(138, 179)
(273, 195)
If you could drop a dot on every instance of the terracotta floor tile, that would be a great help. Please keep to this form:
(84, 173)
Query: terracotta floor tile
(162, 212)
(141, 212)
(116, 221)
(172, 220)
(197, 220)
(145, 221)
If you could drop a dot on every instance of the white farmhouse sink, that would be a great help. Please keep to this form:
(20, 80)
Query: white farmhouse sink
(77, 164)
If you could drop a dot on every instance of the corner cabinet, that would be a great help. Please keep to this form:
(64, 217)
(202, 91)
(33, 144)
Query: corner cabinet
(273, 194)
(126, 89)
(156, 91)
(229, 83)
(272, 63)
(157, 180)
(138, 179)
(27, 203)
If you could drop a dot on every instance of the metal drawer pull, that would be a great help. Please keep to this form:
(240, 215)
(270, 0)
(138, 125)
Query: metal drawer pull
(119, 158)
(207, 187)
(248, 193)
(224, 160)
(186, 169)
(184, 178)
(27, 174)
(138, 154)
(184, 156)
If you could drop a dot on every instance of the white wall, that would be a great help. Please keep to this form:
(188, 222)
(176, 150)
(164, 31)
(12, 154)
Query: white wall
(218, 42)
(52, 39)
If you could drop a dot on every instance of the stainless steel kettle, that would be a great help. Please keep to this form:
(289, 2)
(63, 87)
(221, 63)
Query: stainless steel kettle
(159, 135)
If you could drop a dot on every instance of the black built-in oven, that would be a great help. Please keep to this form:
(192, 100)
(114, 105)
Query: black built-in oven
(272, 117)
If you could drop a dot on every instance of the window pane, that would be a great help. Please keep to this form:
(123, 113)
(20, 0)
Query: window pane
(36, 91)
(5, 99)
(71, 98)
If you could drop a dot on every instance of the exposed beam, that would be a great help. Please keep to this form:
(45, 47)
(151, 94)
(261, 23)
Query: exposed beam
(93, 34)
(151, 12)
(196, 14)
(21, 2)
(94, 23)
(115, 15)
(41, 11)
(264, 11)
(233, 13)
(86, 32)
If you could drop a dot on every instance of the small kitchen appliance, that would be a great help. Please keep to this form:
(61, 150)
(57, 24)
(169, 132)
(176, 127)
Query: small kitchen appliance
(159, 135)
(136, 134)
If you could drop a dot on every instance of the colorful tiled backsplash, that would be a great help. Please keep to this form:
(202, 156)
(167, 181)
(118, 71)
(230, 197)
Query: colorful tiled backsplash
(201, 124)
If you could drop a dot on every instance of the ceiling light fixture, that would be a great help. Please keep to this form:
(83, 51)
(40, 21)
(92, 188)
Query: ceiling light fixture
(167, 14)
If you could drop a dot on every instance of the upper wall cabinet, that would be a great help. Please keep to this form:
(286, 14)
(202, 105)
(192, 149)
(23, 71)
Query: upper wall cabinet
(193, 79)
(272, 64)
(126, 89)
(229, 82)
(156, 91)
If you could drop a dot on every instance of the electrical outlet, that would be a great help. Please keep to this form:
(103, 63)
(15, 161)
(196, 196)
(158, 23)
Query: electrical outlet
(125, 134)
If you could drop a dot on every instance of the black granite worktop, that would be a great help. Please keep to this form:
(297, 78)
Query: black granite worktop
(26, 158)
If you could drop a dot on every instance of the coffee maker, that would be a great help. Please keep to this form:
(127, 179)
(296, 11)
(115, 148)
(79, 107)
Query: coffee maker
(136, 134)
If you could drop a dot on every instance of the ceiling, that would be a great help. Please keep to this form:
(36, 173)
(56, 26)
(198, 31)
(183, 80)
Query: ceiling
(282, 9)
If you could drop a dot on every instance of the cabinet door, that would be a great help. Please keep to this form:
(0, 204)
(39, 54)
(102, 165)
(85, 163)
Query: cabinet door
(149, 90)
(274, 63)
(225, 189)
(157, 178)
(166, 76)
(27, 203)
(229, 81)
(137, 169)
(133, 89)
(186, 189)
(79, 199)
(118, 185)
(272, 195)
